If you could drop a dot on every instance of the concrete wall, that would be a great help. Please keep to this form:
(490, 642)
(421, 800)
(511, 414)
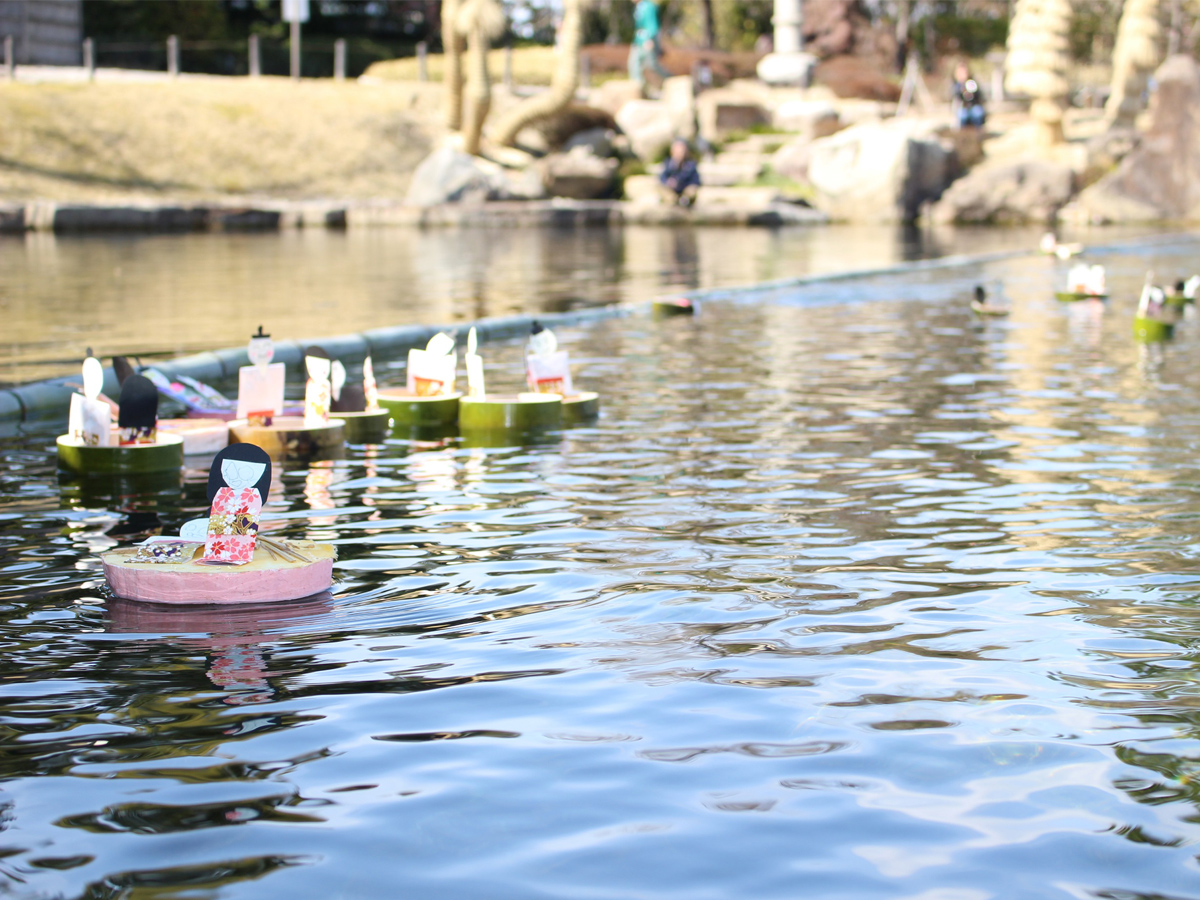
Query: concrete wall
(44, 32)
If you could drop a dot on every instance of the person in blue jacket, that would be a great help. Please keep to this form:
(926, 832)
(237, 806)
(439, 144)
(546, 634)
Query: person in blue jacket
(679, 179)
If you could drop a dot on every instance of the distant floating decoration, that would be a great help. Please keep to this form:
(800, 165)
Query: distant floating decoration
(548, 371)
(1084, 282)
(674, 306)
(508, 418)
(428, 400)
(222, 558)
(1155, 319)
(982, 305)
(95, 445)
(260, 401)
(357, 405)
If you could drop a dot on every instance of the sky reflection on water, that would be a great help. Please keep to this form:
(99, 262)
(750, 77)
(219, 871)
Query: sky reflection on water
(851, 599)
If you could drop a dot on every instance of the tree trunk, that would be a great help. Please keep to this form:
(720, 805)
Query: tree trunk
(479, 21)
(452, 74)
(706, 15)
(563, 83)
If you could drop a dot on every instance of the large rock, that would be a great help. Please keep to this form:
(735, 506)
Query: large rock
(1013, 193)
(450, 176)
(561, 126)
(598, 141)
(879, 172)
(612, 95)
(679, 94)
(648, 125)
(791, 160)
(811, 118)
(724, 110)
(643, 190)
(1159, 179)
(579, 175)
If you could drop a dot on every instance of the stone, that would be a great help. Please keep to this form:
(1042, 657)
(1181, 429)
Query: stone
(787, 68)
(560, 127)
(1159, 179)
(598, 141)
(1027, 192)
(851, 77)
(612, 95)
(642, 190)
(722, 111)
(450, 176)
(879, 172)
(578, 175)
(722, 173)
(648, 125)
(679, 94)
(791, 160)
(811, 118)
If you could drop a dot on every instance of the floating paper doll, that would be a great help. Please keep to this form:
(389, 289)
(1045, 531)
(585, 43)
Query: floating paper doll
(346, 398)
(318, 390)
(238, 483)
(370, 389)
(90, 417)
(431, 371)
(547, 369)
(138, 416)
(1086, 280)
(1152, 303)
(260, 385)
(475, 383)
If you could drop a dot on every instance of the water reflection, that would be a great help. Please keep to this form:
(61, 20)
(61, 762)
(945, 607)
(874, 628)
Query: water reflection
(845, 594)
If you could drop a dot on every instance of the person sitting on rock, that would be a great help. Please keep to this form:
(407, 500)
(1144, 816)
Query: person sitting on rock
(679, 179)
(968, 98)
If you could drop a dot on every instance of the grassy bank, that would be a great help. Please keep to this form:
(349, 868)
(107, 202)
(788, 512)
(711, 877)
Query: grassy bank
(212, 139)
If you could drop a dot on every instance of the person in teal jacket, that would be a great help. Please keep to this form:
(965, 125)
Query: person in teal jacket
(646, 49)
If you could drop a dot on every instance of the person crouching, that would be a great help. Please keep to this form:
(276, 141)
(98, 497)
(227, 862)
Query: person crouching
(679, 179)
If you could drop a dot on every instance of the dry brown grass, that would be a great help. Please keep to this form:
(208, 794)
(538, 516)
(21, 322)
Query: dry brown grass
(212, 139)
(531, 65)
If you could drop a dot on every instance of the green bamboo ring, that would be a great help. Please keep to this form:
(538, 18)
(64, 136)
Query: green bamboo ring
(1152, 331)
(410, 411)
(581, 407)
(366, 427)
(510, 413)
(1071, 296)
(164, 455)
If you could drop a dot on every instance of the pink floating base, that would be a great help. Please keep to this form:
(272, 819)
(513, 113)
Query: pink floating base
(263, 580)
(200, 436)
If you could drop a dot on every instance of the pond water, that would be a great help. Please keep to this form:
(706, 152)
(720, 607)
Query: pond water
(846, 594)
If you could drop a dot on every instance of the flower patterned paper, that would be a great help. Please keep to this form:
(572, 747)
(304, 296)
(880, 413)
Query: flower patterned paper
(233, 526)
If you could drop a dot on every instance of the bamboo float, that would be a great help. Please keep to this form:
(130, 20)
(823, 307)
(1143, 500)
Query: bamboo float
(411, 411)
(581, 407)
(366, 427)
(510, 414)
(1152, 331)
(164, 455)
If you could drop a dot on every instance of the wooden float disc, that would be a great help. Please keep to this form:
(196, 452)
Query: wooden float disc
(1151, 331)
(287, 437)
(200, 436)
(1071, 296)
(264, 579)
(581, 407)
(164, 455)
(366, 427)
(510, 412)
(410, 411)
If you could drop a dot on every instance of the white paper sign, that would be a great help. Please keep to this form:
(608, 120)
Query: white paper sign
(90, 422)
(549, 373)
(431, 374)
(260, 390)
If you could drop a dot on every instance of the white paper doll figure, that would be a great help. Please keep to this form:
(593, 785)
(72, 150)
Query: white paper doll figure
(318, 390)
(431, 371)
(260, 385)
(90, 418)
(475, 383)
(547, 369)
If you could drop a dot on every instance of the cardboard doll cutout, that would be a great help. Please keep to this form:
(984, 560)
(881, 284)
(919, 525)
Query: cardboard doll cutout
(475, 383)
(346, 397)
(122, 369)
(260, 385)
(431, 371)
(90, 418)
(370, 389)
(238, 483)
(547, 369)
(138, 416)
(318, 391)
(1085, 279)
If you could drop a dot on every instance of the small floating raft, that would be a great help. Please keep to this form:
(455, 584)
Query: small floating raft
(288, 437)
(674, 306)
(581, 407)
(1073, 296)
(369, 426)
(1152, 331)
(409, 410)
(300, 569)
(200, 436)
(515, 413)
(164, 455)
